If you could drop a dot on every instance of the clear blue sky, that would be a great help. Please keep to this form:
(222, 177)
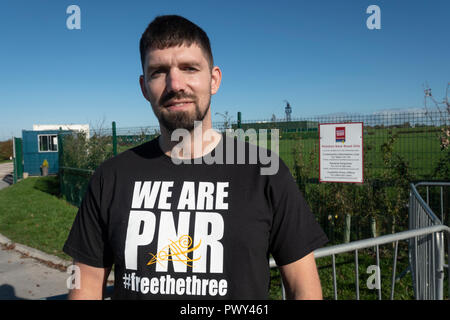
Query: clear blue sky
(318, 55)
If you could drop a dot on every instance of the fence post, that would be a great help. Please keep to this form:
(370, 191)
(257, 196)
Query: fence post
(348, 220)
(373, 227)
(14, 161)
(114, 138)
(239, 124)
(18, 159)
(61, 162)
(439, 266)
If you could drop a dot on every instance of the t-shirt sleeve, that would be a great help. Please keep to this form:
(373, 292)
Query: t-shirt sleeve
(87, 240)
(295, 231)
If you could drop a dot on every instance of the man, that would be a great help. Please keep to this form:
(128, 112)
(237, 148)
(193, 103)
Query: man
(190, 230)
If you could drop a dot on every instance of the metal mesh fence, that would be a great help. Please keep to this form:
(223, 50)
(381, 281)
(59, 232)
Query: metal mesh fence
(378, 205)
(416, 135)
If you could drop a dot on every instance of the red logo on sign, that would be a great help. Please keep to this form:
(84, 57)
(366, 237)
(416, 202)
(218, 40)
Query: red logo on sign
(340, 134)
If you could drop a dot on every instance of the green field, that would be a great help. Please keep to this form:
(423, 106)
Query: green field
(420, 149)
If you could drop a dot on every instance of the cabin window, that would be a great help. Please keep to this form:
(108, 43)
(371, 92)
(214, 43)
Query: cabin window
(48, 143)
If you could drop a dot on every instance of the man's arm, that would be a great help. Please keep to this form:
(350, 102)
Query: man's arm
(92, 283)
(301, 279)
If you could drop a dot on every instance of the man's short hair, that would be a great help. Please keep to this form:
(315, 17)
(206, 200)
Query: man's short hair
(170, 31)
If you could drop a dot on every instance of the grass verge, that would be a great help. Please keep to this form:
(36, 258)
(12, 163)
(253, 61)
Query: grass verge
(31, 213)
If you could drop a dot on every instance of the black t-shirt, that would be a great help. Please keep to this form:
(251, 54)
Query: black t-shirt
(191, 231)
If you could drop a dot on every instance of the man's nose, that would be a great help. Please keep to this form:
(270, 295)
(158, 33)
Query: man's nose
(175, 81)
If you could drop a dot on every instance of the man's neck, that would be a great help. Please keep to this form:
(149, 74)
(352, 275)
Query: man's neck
(200, 141)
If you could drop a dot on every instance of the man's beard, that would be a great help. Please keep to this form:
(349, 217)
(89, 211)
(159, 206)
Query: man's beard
(172, 120)
(182, 119)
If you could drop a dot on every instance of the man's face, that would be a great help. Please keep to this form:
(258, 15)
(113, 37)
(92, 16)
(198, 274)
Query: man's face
(178, 82)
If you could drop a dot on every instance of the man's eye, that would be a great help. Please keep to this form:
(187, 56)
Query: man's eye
(156, 73)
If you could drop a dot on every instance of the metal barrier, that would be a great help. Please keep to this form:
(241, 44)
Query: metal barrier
(426, 249)
(426, 253)
(425, 211)
(373, 242)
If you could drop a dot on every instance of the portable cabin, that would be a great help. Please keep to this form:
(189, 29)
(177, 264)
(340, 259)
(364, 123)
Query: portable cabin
(41, 144)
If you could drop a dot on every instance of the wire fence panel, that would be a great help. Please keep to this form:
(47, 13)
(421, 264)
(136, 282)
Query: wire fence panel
(79, 155)
(416, 135)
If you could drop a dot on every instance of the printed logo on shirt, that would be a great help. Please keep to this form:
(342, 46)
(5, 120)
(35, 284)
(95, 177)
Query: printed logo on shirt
(152, 219)
(176, 251)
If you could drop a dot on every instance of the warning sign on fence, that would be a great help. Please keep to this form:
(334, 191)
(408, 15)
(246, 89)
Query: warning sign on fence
(341, 152)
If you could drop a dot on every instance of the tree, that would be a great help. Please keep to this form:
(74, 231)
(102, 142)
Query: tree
(226, 119)
(442, 169)
(443, 109)
(6, 149)
(370, 192)
(396, 170)
(274, 118)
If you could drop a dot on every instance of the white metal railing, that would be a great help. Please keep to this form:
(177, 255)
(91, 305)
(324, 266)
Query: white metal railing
(427, 253)
(370, 243)
(426, 249)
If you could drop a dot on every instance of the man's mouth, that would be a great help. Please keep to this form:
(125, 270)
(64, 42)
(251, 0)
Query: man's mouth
(177, 105)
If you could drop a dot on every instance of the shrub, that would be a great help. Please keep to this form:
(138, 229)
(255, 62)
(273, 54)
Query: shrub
(6, 149)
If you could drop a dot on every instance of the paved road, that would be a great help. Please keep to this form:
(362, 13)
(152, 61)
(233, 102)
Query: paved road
(22, 277)
(6, 169)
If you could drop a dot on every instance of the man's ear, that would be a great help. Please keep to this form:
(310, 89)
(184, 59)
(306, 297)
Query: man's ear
(143, 87)
(216, 78)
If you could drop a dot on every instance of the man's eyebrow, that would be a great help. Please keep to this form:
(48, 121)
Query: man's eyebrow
(191, 63)
(155, 66)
